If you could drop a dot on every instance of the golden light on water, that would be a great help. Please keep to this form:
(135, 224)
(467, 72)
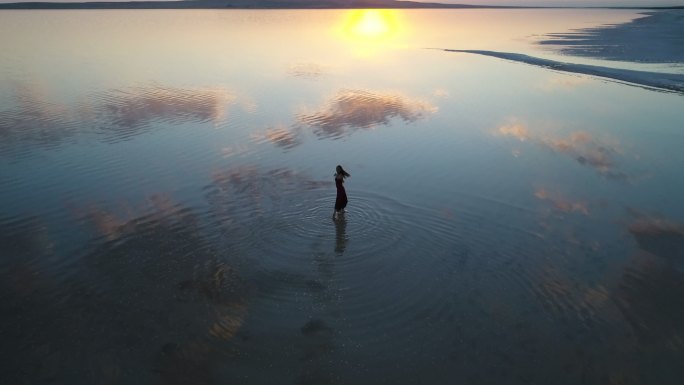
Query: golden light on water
(371, 29)
(372, 23)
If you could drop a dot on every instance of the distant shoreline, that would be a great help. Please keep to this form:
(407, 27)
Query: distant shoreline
(285, 4)
(654, 80)
(228, 5)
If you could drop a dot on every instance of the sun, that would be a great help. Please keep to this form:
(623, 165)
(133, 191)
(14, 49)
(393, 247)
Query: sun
(371, 24)
(372, 31)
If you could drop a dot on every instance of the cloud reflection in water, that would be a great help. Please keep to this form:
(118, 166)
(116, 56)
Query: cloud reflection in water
(351, 110)
(139, 106)
(599, 154)
(36, 120)
(160, 274)
(561, 203)
(309, 71)
(251, 186)
(148, 292)
(280, 135)
(659, 236)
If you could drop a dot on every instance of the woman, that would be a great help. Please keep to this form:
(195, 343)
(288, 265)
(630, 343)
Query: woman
(341, 201)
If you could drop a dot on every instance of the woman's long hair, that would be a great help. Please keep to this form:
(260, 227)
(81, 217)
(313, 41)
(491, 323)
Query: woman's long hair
(340, 171)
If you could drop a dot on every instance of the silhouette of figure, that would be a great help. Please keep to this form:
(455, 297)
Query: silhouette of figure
(341, 201)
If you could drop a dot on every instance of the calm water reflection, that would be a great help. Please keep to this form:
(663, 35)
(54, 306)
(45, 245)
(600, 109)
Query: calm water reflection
(349, 110)
(167, 191)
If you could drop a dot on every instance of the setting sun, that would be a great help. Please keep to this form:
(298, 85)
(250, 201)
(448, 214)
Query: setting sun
(371, 24)
(371, 30)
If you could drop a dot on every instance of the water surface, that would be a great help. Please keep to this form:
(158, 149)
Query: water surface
(167, 191)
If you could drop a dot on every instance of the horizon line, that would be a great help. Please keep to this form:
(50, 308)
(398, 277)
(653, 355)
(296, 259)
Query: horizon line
(285, 4)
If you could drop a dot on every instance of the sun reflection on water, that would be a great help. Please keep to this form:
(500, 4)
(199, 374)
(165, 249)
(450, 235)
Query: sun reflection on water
(371, 29)
(372, 23)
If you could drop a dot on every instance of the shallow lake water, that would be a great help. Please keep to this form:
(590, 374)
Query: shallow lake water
(166, 192)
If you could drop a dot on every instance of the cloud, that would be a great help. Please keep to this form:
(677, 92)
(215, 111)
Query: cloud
(516, 130)
(351, 110)
(139, 106)
(347, 111)
(113, 222)
(307, 70)
(658, 235)
(251, 181)
(248, 189)
(561, 203)
(231, 151)
(280, 135)
(35, 119)
(441, 93)
(598, 154)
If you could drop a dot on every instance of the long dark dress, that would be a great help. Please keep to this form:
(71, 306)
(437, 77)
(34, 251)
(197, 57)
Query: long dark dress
(341, 201)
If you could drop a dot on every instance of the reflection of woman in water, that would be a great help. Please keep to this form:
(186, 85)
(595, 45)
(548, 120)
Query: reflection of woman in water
(341, 201)
(340, 235)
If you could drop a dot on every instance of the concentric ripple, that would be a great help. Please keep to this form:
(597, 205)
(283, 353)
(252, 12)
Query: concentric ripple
(379, 264)
(386, 268)
(298, 231)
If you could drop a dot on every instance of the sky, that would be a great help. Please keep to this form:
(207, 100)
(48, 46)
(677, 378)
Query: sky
(584, 3)
(592, 3)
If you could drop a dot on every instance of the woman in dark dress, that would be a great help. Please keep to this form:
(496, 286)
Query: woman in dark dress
(341, 201)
